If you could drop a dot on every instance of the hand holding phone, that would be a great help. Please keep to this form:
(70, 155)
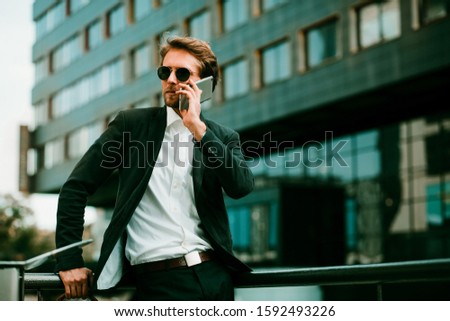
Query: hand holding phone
(205, 85)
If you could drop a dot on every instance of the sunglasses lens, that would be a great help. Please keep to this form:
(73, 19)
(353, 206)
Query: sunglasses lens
(164, 72)
(182, 74)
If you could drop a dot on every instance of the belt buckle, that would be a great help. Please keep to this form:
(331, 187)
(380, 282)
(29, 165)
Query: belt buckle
(193, 258)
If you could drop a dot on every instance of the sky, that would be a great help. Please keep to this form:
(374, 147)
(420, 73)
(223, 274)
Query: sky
(16, 81)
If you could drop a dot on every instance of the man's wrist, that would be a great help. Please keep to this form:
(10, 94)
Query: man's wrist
(199, 132)
(198, 138)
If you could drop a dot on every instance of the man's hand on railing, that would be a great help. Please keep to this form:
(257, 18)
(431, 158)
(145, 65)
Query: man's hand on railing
(77, 282)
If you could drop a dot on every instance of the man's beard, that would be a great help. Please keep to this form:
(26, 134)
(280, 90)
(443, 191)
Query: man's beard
(173, 103)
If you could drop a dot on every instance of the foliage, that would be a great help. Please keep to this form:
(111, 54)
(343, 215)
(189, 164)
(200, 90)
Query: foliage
(19, 238)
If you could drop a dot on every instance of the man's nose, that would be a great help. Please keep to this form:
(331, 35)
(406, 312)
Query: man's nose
(172, 77)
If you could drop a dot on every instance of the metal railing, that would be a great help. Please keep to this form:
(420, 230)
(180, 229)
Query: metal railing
(375, 274)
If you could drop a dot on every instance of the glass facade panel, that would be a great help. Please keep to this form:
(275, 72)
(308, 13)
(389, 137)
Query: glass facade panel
(141, 60)
(76, 5)
(66, 53)
(41, 69)
(433, 9)
(41, 26)
(344, 173)
(367, 139)
(407, 192)
(54, 153)
(255, 230)
(40, 113)
(94, 35)
(141, 8)
(235, 13)
(51, 19)
(236, 81)
(56, 15)
(378, 22)
(276, 62)
(369, 25)
(200, 26)
(117, 20)
(81, 139)
(368, 165)
(240, 221)
(94, 85)
(390, 19)
(321, 43)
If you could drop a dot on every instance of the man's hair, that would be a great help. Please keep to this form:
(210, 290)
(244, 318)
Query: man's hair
(200, 49)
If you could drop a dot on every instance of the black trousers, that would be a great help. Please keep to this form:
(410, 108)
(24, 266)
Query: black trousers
(210, 281)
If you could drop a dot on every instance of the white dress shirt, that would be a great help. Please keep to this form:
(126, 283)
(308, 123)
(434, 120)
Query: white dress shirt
(166, 223)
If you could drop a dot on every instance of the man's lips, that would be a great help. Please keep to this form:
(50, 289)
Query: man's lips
(171, 92)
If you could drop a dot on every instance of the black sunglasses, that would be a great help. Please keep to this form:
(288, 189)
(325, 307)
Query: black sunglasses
(182, 74)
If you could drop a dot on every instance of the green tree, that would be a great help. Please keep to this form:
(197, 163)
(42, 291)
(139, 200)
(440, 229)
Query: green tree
(20, 239)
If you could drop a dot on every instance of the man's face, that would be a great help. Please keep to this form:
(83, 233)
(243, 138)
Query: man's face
(175, 59)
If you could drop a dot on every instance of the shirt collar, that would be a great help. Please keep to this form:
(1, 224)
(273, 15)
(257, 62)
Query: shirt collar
(172, 116)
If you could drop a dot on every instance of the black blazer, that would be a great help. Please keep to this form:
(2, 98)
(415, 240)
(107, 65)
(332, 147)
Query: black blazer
(130, 145)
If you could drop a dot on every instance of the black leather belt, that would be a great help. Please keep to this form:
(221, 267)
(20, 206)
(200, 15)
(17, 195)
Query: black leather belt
(190, 259)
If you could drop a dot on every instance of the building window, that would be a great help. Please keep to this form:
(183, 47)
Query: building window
(116, 21)
(235, 13)
(31, 162)
(76, 5)
(141, 8)
(255, 231)
(200, 26)
(378, 22)
(431, 10)
(94, 85)
(140, 59)
(107, 78)
(54, 153)
(235, 79)
(41, 26)
(81, 139)
(321, 43)
(41, 69)
(66, 53)
(94, 35)
(270, 4)
(51, 19)
(276, 62)
(40, 113)
(56, 15)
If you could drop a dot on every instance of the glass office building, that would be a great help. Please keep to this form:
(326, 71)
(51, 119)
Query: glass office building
(341, 106)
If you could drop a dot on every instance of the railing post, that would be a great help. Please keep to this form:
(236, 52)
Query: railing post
(380, 291)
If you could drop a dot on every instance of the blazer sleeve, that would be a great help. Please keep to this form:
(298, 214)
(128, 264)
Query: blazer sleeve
(97, 164)
(222, 152)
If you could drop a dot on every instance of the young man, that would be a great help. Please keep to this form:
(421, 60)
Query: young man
(169, 228)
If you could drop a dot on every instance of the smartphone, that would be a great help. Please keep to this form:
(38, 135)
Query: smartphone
(205, 85)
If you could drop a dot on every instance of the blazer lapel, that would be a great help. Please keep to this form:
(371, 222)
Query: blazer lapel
(197, 167)
(198, 164)
(155, 136)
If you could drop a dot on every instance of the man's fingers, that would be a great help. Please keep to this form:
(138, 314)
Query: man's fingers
(76, 282)
(84, 290)
(67, 292)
